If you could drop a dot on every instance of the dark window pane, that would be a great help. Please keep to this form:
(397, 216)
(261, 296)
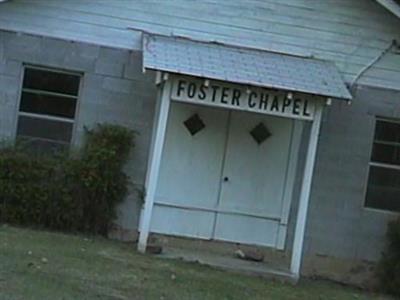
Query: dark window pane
(51, 81)
(387, 131)
(383, 189)
(45, 129)
(386, 154)
(48, 105)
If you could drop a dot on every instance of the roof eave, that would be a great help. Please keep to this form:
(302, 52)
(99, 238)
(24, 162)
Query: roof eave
(391, 5)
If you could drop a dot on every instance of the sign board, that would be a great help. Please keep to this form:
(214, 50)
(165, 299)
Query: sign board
(239, 97)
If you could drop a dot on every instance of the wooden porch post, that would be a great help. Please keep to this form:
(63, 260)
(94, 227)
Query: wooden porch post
(305, 194)
(154, 163)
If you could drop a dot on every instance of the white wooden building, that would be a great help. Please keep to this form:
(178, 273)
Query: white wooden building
(272, 124)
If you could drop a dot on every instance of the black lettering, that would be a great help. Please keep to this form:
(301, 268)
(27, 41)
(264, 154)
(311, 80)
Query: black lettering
(305, 112)
(181, 87)
(191, 90)
(251, 101)
(215, 89)
(202, 92)
(286, 103)
(275, 104)
(296, 106)
(236, 97)
(263, 101)
(224, 95)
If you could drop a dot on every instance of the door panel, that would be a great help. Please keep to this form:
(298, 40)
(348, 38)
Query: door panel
(246, 230)
(256, 178)
(182, 222)
(191, 165)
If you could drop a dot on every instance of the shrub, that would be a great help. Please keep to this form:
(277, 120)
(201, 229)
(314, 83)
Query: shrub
(102, 183)
(388, 270)
(64, 192)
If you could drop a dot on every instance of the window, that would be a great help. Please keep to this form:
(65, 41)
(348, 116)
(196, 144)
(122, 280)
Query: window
(383, 190)
(47, 108)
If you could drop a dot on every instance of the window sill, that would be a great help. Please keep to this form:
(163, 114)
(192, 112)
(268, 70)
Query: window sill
(381, 211)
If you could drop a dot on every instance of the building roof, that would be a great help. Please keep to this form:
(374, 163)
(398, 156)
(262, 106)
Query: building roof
(392, 5)
(351, 34)
(243, 66)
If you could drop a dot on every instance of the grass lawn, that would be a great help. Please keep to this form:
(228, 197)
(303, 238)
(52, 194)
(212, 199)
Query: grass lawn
(46, 265)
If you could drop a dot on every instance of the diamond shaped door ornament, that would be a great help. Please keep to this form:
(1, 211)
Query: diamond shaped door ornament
(260, 133)
(194, 124)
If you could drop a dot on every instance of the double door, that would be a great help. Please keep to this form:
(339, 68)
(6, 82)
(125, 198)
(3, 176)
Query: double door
(224, 176)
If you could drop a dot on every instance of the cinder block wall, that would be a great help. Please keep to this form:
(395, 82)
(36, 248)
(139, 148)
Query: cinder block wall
(10, 77)
(338, 223)
(114, 90)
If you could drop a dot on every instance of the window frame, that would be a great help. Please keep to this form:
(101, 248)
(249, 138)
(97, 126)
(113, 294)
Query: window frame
(72, 121)
(380, 165)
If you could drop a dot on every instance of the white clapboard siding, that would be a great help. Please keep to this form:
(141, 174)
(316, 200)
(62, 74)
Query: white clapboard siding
(125, 17)
(350, 33)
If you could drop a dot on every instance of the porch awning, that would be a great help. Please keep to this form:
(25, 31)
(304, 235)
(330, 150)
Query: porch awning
(243, 66)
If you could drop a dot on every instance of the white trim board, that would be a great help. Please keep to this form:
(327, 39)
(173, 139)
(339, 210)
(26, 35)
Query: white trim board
(154, 164)
(298, 244)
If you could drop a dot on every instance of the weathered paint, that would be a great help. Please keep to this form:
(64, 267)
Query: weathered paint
(243, 66)
(249, 205)
(349, 33)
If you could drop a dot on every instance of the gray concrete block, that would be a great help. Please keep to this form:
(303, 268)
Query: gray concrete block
(92, 81)
(23, 48)
(10, 67)
(2, 47)
(374, 223)
(369, 249)
(135, 57)
(3, 67)
(9, 84)
(86, 50)
(133, 71)
(127, 219)
(6, 36)
(8, 117)
(20, 40)
(8, 98)
(111, 55)
(109, 69)
(54, 52)
(75, 62)
(117, 85)
(56, 46)
(90, 97)
(145, 89)
(338, 247)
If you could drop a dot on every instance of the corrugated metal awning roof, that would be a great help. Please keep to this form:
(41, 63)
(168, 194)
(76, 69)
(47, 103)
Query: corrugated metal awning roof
(243, 66)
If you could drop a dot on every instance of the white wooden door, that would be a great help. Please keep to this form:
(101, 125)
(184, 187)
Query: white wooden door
(220, 182)
(190, 172)
(251, 203)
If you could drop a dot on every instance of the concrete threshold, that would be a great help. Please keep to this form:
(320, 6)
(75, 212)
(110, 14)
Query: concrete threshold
(222, 255)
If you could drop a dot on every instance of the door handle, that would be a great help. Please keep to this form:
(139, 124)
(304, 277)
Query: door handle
(226, 179)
